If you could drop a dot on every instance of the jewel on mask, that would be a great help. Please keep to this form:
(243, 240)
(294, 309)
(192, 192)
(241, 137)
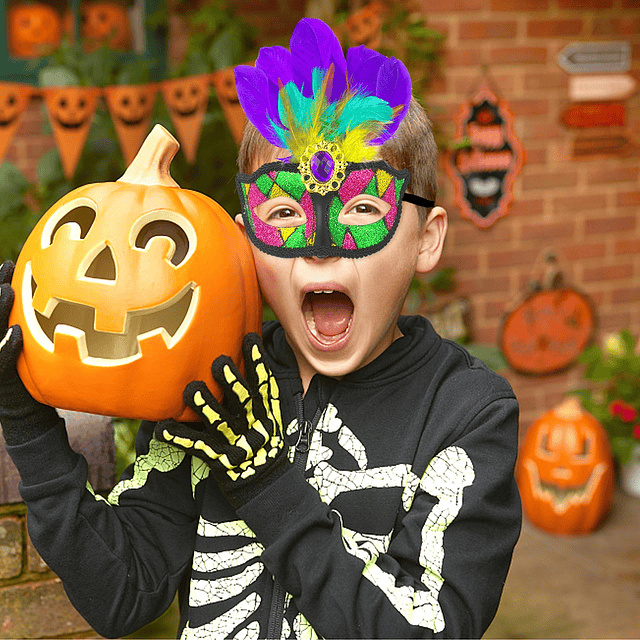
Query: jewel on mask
(322, 167)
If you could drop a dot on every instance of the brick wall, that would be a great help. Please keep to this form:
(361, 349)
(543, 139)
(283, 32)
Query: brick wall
(588, 210)
(33, 603)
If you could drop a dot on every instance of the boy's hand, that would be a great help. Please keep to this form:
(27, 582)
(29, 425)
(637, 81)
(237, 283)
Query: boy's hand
(23, 418)
(243, 440)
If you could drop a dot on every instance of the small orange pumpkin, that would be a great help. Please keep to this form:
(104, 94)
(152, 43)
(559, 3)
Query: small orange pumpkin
(565, 471)
(126, 291)
(34, 29)
(105, 23)
(547, 331)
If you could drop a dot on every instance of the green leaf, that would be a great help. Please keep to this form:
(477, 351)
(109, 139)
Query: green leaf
(489, 354)
(58, 77)
(225, 49)
(50, 167)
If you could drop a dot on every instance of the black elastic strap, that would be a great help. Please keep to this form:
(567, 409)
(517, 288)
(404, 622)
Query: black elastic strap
(419, 201)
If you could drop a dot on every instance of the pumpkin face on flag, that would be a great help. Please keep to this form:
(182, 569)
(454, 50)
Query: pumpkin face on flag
(127, 291)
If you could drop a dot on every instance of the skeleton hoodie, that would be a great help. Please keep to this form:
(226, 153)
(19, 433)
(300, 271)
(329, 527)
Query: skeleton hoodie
(397, 518)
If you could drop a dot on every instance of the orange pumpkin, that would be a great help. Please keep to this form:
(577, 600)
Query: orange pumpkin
(565, 471)
(126, 291)
(105, 23)
(34, 29)
(365, 26)
(547, 331)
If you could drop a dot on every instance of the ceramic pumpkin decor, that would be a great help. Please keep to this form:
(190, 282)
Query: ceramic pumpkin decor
(126, 291)
(565, 470)
(34, 29)
(105, 23)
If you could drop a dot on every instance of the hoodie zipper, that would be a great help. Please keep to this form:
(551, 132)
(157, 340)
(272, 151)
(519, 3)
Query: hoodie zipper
(276, 612)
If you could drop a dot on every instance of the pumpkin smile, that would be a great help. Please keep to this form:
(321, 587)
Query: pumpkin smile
(62, 317)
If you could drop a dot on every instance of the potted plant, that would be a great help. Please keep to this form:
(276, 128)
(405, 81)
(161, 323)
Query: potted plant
(613, 398)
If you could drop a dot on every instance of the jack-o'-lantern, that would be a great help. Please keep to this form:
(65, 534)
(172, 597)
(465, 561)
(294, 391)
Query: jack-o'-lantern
(565, 471)
(133, 105)
(71, 108)
(33, 29)
(105, 23)
(547, 331)
(365, 26)
(126, 292)
(9, 107)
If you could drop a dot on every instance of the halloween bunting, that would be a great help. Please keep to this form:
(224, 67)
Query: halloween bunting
(14, 99)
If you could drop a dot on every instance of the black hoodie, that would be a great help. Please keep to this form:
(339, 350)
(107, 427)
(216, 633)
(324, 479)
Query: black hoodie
(397, 518)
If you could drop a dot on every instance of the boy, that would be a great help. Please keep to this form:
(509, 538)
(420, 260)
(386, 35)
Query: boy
(359, 481)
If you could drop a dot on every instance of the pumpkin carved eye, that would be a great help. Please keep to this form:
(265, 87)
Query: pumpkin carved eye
(165, 229)
(80, 217)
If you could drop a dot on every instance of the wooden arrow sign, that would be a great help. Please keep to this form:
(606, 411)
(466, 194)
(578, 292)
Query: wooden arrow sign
(594, 114)
(598, 88)
(596, 57)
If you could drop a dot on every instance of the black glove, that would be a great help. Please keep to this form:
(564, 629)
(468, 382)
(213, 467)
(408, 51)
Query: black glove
(242, 441)
(22, 417)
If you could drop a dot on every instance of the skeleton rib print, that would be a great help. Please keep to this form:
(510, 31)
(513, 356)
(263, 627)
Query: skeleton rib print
(232, 575)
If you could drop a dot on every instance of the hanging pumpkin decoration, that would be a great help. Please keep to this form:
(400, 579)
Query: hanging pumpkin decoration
(548, 330)
(365, 25)
(105, 23)
(126, 291)
(224, 83)
(34, 29)
(565, 470)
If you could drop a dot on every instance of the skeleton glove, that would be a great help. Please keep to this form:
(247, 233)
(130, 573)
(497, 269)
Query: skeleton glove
(22, 417)
(243, 440)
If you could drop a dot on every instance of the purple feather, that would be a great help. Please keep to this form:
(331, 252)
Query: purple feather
(314, 45)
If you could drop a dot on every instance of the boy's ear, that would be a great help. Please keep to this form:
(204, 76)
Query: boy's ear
(240, 222)
(432, 237)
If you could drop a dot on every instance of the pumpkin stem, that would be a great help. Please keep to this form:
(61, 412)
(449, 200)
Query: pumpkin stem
(569, 409)
(152, 162)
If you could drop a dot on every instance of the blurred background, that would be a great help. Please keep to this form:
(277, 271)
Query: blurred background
(537, 116)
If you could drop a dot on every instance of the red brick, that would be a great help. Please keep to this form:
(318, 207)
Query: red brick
(461, 261)
(38, 610)
(583, 251)
(579, 203)
(554, 28)
(536, 156)
(629, 198)
(487, 284)
(487, 30)
(460, 57)
(519, 5)
(549, 231)
(529, 107)
(549, 180)
(518, 55)
(527, 208)
(512, 258)
(627, 294)
(619, 174)
(610, 224)
(609, 272)
(628, 26)
(631, 245)
(432, 6)
(547, 80)
(585, 4)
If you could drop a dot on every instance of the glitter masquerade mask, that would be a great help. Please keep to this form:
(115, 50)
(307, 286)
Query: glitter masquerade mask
(332, 114)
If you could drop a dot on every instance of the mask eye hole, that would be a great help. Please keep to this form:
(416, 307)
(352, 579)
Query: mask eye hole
(363, 209)
(167, 229)
(281, 212)
(79, 216)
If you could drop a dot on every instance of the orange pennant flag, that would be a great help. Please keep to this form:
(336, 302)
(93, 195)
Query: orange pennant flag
(224, 83)
(187, 99)
(70, 111)
(131, 108)
(14, 99)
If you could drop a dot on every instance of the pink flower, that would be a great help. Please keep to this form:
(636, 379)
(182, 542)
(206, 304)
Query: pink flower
(623, 410)
(636, 432)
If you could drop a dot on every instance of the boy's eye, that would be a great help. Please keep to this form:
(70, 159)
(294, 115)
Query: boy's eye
(363, 211)
(281, 212)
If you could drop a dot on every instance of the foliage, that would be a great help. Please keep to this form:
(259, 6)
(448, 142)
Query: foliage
(614, 396)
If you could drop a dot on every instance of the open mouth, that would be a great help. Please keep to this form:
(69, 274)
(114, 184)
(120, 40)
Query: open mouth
(329, 316)
(168, 320)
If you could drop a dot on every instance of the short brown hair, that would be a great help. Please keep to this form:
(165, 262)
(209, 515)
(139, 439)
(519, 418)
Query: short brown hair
(412, 147)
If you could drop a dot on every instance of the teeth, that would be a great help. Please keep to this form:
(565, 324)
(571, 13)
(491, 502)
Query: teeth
(324, 291)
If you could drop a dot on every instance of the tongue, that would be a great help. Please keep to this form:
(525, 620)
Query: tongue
(331, 312)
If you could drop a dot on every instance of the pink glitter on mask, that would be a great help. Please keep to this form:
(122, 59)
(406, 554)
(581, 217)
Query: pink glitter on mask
(355, 183)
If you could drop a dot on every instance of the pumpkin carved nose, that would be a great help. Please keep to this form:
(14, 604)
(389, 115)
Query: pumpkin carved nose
(103, 266)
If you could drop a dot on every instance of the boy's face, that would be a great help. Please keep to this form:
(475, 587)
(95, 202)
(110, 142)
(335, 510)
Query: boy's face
(340, 313)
